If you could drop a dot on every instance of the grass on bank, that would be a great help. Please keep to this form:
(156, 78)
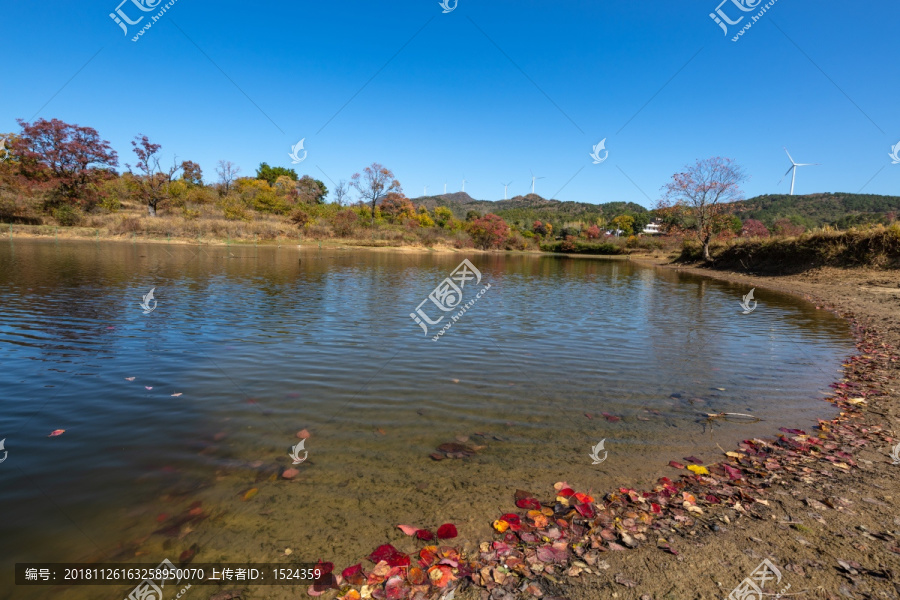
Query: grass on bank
(876, 246)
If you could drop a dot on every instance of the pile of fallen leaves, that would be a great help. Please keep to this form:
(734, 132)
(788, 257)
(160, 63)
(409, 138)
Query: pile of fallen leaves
(568, 534)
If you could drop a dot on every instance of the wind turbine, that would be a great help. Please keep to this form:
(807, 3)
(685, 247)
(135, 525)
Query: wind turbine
(793, 168)
(533, 179)
(464, 184)
(505, 189)
(445, 188)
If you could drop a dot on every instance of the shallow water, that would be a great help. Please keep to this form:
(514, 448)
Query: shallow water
(263, 342)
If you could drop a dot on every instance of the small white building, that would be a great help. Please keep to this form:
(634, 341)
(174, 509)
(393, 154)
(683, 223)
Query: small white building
(653, 228)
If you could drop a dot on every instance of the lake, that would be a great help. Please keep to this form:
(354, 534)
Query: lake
(247, 346)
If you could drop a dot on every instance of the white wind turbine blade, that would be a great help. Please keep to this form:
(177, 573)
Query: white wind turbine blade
(786, 174)
(789, 156)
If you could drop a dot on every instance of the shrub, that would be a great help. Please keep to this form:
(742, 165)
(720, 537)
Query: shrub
(489, 231)
(568, 245)
(67, 215)
(345, 222)
(233, 209)
(397, 208)
(516, 242)
(301, 217)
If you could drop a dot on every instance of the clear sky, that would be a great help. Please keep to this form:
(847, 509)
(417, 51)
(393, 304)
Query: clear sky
(490, 91)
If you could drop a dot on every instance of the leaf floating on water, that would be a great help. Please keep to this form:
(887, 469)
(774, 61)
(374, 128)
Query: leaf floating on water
(56, 432)
(149, 387)
(176, 394)
(380, 431)
(290, 473)
(130, 378)
(249, 494)
(611, 418)
(188, 555)
(698, 469)
(447, 531)
(588, 415)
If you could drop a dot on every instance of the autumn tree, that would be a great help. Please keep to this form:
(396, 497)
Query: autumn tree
(227, 172)
(786, 227)
(489, 231)
(311, 191)
(397, 207)
(624, 223)
(191, 173)
(701, 196)
(70, 159)
(271, 174)
(374, 183)
(754, 228)
(154, 181)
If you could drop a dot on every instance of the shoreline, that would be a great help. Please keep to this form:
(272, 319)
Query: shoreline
(816, 504)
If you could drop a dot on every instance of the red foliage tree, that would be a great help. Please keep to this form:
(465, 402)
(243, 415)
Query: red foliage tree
(754, 228)
(397, 207)
(489, 231)
(70, 159)
(701, 196)
(593, 232)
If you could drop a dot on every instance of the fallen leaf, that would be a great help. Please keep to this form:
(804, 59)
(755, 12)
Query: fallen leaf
(611, 418)
(290, 473)
(130, 378)
(176, 394)
(621, 579)
(424, 534)
(677, 465)
(408, 529)
(693, 459)
(56, 432)
(380, 431)
(249, 494)
(149, 387)
(698, 469)
(447, 531)
(303, 434)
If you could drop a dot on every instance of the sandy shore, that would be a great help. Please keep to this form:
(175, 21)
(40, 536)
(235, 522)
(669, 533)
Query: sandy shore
(833, 533)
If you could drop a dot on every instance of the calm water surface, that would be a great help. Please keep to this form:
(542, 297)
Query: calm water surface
(263, 342)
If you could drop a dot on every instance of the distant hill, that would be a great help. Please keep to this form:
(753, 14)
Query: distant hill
(530, 208)
(814, 210)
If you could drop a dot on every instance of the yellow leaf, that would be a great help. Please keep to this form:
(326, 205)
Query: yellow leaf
(856, 400)
(249, 494)
(735, 454)
(698, 469)
(501, 526)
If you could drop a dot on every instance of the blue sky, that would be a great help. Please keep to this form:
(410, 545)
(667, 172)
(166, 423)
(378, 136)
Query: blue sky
(491, 91)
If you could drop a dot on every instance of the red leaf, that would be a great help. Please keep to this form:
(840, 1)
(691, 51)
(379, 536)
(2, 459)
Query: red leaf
(611, 418)
(529, 503)
(512, 519)
(655, 508)
(408, 529)
(566, 492)
(693, 459)
(354, 575)
(424, 534)
(585, 510)
(383, 552)
(447, 531)
(677, 465)
(732, 472)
